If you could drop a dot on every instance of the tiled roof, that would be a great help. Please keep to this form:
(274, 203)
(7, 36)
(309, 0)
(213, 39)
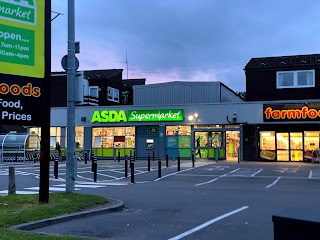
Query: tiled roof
(101, 74)
(96, 74)
(284, 61)
(134, 82)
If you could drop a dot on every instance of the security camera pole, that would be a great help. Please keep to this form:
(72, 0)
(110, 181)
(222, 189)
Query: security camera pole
(71, 71)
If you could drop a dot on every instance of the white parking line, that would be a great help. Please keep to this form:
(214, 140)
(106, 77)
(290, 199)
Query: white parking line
(256, 172)
(272, 184)
(182, 235)
(213, 180)
(171, 174)
(310, 174)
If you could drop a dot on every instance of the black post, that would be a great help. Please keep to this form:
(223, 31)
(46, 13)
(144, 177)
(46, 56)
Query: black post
(55, 169)
(125, 166)
(152, 155)
(95, 164)
(92, 162)
(167, 159)
(85, 155)
(192, 158)
(134, 154)
(34, 158)
(148, 162)
(178, 161)
(159, 168)
(132, 171)
(119, 155)
(16, 156)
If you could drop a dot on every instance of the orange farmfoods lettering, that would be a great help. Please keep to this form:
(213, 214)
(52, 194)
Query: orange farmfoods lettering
(15, 90)
(304, 113)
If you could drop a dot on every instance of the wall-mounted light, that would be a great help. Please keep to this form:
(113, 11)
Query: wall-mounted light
(193, 117)
(234, 118)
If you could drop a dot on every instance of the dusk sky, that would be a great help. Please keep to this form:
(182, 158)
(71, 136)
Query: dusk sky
(186, 40)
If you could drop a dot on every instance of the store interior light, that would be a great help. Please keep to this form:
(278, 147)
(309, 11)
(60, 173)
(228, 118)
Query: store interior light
(190, 118)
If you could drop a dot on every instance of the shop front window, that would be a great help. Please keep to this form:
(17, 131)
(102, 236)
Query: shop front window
(172, 130)
(130, 137)
(178, 139)
(79, 137)
(113, 137)
(311, 142)
(267, 145)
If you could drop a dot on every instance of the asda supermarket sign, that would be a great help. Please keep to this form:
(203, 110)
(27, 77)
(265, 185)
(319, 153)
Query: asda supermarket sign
(163, 115)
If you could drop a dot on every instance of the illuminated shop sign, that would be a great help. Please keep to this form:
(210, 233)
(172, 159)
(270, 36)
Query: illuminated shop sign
(22, 37)
(25, 44)
(155, 115)
(163, 115)
(291, 112)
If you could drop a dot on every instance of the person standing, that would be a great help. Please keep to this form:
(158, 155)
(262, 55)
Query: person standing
(198, 145)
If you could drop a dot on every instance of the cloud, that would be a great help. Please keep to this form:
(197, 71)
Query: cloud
(211, 39)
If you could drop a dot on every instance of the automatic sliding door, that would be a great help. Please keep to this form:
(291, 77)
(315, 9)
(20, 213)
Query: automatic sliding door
(296, 150)
(283, 146)
(201, 144)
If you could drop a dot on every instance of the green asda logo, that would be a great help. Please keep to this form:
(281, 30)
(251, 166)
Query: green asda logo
(18, 11)
(109, 116)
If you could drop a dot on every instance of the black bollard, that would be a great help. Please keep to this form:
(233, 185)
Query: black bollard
(192, 156)
(92, 162)
(149, 162)
(167, 159)
(95, 166)
(159, 168)
(152, 155)
(132, 171)
(12, 181)
(34, 158)
(178, 161)
(125, 166)
(119, 155)
(85, 155)
(55, 168)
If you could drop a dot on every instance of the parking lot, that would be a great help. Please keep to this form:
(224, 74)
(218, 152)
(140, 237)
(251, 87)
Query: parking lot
(223, 200)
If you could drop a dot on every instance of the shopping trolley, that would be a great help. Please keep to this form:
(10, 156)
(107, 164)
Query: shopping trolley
(315, 155)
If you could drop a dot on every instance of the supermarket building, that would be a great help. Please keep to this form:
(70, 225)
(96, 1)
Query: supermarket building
(279, 121)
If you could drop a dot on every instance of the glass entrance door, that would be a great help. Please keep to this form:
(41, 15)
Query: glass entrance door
(296, 146)
(201, 144)
(283, 146)
(232, 144)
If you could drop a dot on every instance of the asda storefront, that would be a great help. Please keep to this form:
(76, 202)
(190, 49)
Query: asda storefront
(145, 131)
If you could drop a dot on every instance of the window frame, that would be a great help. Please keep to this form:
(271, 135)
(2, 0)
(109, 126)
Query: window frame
(113, 98)
(95, 88)
(295, 79)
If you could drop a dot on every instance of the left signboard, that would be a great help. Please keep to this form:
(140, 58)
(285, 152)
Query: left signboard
(24, 57)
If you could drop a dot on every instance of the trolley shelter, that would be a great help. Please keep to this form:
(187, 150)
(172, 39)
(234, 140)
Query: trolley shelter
(19, 147)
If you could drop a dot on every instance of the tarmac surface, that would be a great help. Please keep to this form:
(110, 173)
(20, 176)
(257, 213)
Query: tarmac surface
(214, 200)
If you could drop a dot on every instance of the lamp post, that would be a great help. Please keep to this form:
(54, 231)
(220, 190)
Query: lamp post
(71, 71)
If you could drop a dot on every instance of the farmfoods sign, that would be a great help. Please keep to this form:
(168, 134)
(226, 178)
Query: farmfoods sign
(163, 115)
(291, 112)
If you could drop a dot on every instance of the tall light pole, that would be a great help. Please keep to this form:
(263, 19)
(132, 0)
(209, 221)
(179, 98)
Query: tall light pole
(71, 71)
